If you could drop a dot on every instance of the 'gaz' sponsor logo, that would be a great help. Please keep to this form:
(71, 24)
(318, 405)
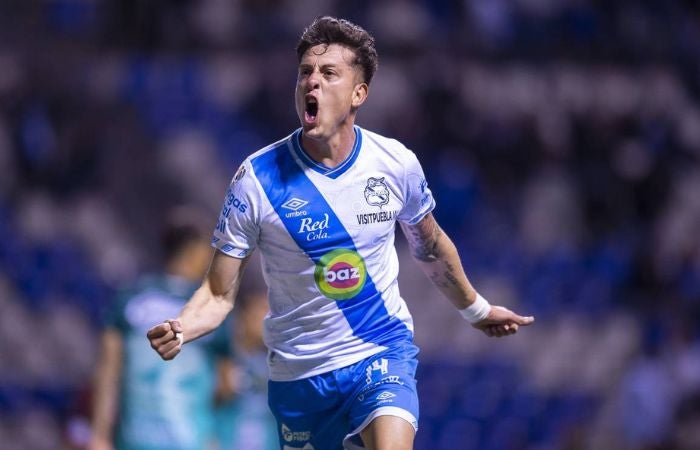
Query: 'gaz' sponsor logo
(340, 274)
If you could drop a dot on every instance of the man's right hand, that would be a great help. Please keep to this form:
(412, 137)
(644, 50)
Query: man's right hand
(165, 339)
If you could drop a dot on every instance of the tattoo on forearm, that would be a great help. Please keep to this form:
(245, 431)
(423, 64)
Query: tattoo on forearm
(423, 239)
(447, 279)
(450, 274)
(438, 280)
(445, 270)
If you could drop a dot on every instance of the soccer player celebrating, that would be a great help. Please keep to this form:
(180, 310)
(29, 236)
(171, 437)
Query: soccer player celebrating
(321, 206)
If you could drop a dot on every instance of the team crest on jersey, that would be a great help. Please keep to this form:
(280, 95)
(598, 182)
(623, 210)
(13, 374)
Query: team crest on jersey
(376, 192)
(340, 274)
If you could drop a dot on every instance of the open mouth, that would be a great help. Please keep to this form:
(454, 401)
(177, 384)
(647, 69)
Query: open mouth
(311, 109)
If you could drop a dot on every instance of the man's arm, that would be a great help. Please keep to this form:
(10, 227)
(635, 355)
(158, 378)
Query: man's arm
(106, 390)
(437, 256)
(205, 311)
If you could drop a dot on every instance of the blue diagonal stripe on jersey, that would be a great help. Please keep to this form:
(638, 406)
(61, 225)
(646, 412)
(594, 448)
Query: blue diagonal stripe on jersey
(283, 179)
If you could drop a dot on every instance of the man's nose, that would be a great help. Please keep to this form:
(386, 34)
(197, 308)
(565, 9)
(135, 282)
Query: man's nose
(314, 80)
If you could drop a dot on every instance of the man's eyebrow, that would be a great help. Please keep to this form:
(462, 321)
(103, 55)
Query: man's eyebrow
(323, 66)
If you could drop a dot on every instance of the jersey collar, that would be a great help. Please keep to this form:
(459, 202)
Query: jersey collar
(334, 172)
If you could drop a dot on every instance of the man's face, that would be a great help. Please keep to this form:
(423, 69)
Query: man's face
(328, 88)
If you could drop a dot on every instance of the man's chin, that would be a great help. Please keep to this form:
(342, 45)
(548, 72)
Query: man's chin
(312, 131)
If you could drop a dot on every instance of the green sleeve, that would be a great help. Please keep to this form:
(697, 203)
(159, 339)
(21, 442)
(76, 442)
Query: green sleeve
(221, 344)
(113, 314)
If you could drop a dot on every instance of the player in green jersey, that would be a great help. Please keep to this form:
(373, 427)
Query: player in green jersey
(140, 401)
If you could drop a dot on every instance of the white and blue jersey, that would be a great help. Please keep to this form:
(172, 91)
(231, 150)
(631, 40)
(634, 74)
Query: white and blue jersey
(326, 237)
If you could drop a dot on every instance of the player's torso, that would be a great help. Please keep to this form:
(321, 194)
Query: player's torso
(314, 216)
(327, 245)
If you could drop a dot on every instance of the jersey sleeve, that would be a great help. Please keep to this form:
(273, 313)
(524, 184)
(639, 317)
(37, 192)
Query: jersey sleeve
(237, 229)
(418, 199)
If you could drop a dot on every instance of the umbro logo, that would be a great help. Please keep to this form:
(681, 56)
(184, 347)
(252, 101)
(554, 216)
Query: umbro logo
(294, 204)
(386, 395)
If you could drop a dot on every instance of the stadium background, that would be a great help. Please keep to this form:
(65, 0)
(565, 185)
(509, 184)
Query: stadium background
(560, 137)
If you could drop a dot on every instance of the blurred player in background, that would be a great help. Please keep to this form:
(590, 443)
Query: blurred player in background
(245, 421)
(141, 402)
(322, 205)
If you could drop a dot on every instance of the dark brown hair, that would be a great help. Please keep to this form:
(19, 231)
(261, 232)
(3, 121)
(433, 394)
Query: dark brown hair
(329, 30)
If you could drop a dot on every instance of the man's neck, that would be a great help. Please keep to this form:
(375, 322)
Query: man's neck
(333, 151)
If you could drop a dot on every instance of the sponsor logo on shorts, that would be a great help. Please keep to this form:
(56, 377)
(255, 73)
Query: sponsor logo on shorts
(390, 379)
(386, 395)
(340, 274)
(292, 436)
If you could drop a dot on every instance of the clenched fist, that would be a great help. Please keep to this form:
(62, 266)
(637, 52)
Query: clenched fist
(166, 338)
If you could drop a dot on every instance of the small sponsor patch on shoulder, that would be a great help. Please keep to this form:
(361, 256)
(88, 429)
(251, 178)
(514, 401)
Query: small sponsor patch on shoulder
(240, 173)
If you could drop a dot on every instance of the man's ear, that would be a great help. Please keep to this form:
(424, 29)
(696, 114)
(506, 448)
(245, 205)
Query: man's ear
(359, 94)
